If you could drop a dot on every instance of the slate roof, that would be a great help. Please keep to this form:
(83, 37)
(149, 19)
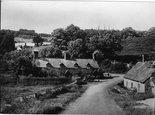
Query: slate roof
(56, 62)
(140, 72)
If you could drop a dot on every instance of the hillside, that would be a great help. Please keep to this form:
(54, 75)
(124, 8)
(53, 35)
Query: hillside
(138, 45)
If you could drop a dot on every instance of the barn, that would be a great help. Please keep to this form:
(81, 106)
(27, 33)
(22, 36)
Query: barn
(138, 77)
(61, 65)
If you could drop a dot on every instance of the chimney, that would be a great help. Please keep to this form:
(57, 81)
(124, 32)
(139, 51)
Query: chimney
(35, 54)
(94, 54)
(143, 60)
(66, 55)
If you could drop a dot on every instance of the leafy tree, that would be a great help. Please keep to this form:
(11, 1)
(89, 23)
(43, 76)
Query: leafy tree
(37, 40)
(50, 52)
(6, 41)
(12, 58)
(77, 48)
(61, 37)
(108, 44)
(128, 32)
(24, 66)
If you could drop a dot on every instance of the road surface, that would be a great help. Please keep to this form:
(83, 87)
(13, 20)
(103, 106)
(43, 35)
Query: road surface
(96, 101)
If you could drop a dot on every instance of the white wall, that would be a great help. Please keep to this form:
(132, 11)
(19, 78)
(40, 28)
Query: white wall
(127, 84)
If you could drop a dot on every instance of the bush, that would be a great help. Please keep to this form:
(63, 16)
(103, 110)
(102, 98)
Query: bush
(51, 110)
(139, 111)
(119, 67)
(105, 63)
(143, 96)
(42, 81)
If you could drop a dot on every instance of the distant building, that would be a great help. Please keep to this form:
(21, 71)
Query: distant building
(74, 66)
(139, 76)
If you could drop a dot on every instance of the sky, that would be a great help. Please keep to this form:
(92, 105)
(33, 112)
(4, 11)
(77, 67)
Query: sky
(45, 16)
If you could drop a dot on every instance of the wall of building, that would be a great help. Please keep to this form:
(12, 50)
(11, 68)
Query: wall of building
(147, 84)
(133, 84)
(61, 71)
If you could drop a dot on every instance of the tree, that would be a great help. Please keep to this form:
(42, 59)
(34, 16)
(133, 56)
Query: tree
(50, 52)
(61, 37)
(37, 40)
(128, 32)
(108, 43)
(7, 41)
(77, 48)
(24, 66)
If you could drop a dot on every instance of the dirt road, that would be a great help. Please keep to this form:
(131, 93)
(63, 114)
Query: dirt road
(96, 101)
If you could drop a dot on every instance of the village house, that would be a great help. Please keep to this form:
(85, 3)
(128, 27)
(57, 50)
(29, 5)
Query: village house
(139, 76)
(61, 65)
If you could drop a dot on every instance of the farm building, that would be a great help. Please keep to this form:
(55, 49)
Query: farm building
(139, 76)
(60, 65)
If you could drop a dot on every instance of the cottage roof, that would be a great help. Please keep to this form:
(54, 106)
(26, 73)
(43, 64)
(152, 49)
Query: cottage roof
(55, 62)
(140, 72)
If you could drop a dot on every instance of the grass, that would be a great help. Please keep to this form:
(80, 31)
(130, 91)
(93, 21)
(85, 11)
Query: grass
(125, 100)
(10, 104)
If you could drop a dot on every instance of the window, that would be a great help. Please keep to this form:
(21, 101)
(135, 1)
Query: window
(88, 66)
(76, 66)
(131, 84)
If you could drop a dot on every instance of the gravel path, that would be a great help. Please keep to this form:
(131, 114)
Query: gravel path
(96, 101)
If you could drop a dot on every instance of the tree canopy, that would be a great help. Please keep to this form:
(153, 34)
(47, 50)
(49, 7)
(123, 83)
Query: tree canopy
(6, 41)
(37, 40)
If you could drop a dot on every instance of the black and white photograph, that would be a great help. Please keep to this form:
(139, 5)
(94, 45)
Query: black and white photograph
(77, 57)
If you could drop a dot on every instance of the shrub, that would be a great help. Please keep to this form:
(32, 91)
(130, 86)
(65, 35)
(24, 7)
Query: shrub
(43, 81)
(51, 110)
(105, 63)
(143, 96)
(139, 111)
(119, 67)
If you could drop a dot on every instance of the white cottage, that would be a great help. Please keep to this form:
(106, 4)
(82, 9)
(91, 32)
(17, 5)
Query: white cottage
(139, 76)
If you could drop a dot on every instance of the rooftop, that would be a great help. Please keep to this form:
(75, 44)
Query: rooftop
(141, 71)
(56, 62)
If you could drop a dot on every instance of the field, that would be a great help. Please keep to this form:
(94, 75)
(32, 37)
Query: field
(23, 40)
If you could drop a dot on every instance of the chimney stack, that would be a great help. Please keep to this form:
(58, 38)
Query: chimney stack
(66, 55)
(94, 54)
(143, 60)
(35, 54)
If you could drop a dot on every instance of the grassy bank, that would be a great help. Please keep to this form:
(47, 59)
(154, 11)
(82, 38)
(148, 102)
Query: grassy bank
(12, 103)
(127, 100)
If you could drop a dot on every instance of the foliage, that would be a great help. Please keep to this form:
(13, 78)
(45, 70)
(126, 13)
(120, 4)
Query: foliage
(127, 103)
(77, 48)
(37, 39)
(24, 33)
(119, 67)
(61, 36)
(106, 63)
(6, 41)
(138, 45)
(50, 52)
(81, 45)
(30, 81)
(24, 66)
(20, 62)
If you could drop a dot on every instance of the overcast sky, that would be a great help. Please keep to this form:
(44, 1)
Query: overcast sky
(45, 16)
